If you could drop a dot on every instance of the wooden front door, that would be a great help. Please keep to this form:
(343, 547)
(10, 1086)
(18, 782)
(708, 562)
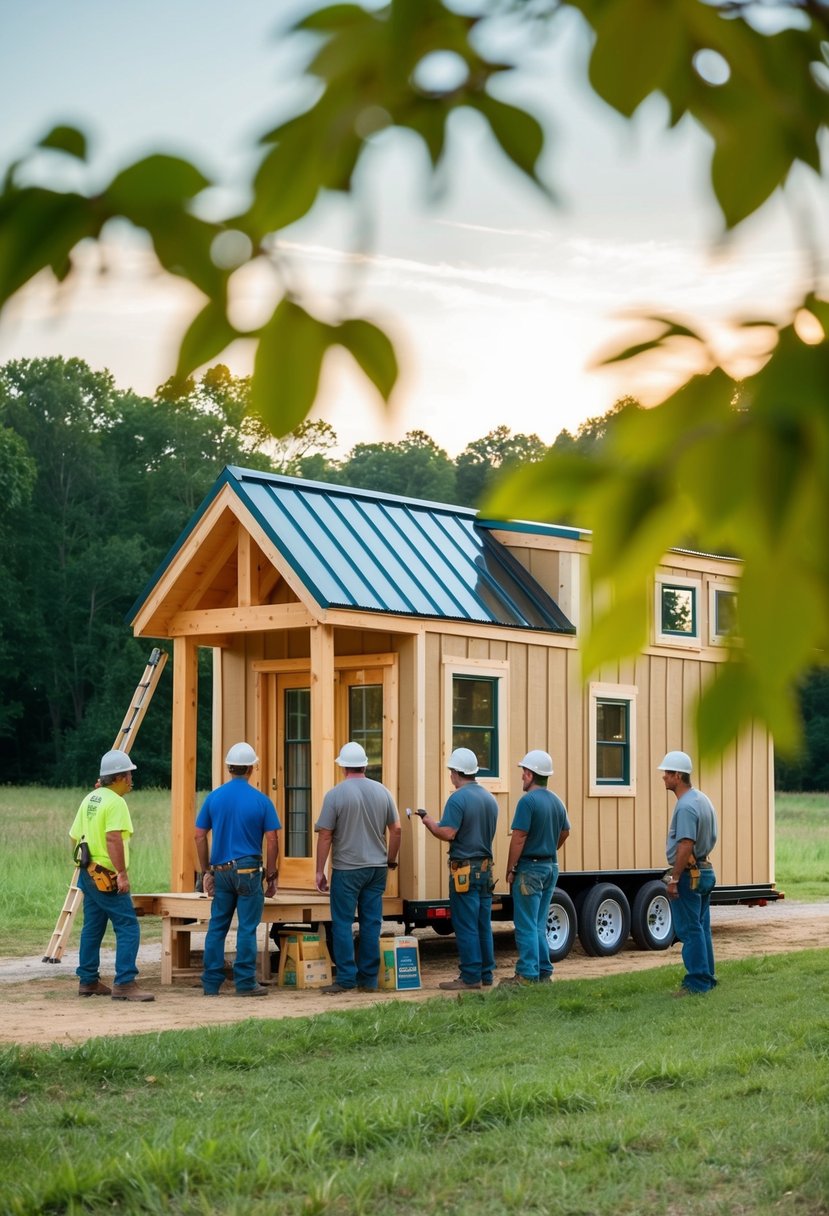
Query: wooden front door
(364, 711)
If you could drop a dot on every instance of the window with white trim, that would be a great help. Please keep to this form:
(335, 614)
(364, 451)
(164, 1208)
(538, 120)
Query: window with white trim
(612, 739)
(676, 611)
(475, 715)
(722, 614)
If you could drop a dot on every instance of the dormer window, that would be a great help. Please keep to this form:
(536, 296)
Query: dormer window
(677, 611)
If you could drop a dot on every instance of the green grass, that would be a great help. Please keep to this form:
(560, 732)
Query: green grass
(588, 1097)
(802, 846)
(36, 864)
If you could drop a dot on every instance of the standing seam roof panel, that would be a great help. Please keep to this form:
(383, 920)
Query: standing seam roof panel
(384, 553)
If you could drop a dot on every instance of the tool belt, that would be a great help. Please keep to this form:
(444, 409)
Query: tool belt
(231, 865)
(105, 880)
(462, 870)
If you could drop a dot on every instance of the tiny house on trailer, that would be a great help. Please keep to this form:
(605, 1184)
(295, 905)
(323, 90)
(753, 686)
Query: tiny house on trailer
(415, 627)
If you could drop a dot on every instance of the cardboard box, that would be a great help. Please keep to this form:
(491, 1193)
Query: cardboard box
(304, 961)
(399, 963)
(305, 973)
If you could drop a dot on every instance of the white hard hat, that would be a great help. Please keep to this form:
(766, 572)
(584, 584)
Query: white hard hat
(241, 755)
(463, 760)
(676, 762)
(115, 762)
(538, 762)
(352, 755)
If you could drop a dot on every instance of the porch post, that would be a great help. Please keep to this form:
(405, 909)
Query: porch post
(183, 777)
(322, 712)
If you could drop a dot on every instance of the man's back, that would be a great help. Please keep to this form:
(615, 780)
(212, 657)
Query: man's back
(358, 811)
(238, 817)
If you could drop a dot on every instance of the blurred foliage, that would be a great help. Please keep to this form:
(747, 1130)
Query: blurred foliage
(753, 480)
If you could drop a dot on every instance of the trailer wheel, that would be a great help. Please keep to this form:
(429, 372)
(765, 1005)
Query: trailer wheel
(561, 925)
(651, 919)
(604, 923)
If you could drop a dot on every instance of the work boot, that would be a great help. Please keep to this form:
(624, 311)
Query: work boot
(514, 981)
(458, 985)
(130, 992)
(96, 988)
(335, 989)
(259, 990)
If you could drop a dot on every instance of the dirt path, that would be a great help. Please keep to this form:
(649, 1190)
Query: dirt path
(39, 1003)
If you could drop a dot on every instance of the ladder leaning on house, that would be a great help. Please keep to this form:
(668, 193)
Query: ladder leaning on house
(124, 741)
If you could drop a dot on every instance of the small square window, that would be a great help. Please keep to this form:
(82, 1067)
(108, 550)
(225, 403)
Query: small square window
(723, 615)
(677, 611)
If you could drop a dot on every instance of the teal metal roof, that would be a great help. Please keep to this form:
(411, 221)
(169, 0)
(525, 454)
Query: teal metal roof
(374, 552)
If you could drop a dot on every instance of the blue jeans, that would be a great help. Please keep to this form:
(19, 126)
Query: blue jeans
(692, 922)
(242, 894)
(357, 895)
(98, 909)
(532, 890)
(471, 913)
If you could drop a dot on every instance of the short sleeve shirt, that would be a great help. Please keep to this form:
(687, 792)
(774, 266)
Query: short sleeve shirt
(237, 815)
(542, 815)
(694, 818)
(358, 811)
(100, 812)
(473, 812)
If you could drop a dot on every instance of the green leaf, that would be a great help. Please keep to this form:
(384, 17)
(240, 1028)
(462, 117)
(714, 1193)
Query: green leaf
(287, 367)
(40, 228)
(208, 334)
(287, 182)
(156, 181)
(638, 44)
(66, 139)
(333, 17)
(520, 135)
(373, 351)
(618, 633)
(183, 246)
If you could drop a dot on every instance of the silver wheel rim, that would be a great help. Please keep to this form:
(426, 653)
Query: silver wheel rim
(609, 922)
(659, 920)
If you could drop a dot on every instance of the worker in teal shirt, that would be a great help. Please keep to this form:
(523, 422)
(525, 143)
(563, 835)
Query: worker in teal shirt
(539, 828)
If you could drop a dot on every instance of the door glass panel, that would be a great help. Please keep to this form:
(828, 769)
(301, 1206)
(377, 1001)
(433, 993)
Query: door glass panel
(297, 772)
(365, 724)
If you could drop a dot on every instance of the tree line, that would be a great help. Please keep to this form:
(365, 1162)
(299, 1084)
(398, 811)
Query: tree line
(97, 482)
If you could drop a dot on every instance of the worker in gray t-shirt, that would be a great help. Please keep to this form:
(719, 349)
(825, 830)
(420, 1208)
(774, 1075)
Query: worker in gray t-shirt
(354, 821)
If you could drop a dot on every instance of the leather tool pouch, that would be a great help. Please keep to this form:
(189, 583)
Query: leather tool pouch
(693, 874)
(460, 875)
(82, 854)
(105, 880)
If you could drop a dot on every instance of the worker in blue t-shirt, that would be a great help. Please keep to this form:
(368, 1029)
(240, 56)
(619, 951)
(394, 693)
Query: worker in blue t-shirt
(238, 817)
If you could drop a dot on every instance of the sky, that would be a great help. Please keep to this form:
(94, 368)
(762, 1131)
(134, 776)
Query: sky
(500, 303)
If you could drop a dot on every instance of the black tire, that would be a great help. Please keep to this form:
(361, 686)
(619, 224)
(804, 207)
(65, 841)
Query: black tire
(443, 928)
(604, 922)
(651, 918)
(561, 925)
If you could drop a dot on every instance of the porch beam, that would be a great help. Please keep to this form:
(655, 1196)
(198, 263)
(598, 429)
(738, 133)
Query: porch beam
(257, 618)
